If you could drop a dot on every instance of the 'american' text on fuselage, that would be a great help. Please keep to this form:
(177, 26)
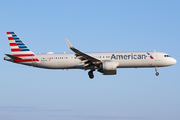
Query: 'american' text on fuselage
(127, 57)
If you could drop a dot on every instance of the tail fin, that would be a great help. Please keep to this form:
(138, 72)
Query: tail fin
(19, 49)
(16, 45)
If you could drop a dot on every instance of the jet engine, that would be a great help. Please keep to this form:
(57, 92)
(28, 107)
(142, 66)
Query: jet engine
(108, 67)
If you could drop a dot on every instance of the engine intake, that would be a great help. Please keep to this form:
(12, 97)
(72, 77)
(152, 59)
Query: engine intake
(108, 67)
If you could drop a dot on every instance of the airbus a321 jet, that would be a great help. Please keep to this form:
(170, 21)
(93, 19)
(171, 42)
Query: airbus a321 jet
(105, 63)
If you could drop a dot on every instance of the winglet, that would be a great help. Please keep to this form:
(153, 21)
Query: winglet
(69, 44)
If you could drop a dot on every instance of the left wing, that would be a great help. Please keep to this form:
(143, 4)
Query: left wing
(85, 58)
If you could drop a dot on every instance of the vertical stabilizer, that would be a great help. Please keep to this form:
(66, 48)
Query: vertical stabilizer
(19, 49)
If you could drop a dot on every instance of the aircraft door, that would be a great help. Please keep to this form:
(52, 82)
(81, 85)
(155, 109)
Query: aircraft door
(157, 57)
(71, 58)
(32, 60)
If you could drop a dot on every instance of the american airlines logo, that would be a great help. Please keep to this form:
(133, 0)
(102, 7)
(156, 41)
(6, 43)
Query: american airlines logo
(150, 55)
(127, 57)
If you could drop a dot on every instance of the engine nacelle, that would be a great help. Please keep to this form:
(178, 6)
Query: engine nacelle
(108, 67)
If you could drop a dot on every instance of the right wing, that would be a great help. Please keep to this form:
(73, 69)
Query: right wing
(85, 58)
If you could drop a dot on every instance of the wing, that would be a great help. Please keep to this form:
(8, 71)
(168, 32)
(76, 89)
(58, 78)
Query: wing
(85, 58)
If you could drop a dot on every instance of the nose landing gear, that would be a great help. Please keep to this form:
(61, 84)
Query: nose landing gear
(91, 75)
(156, 71)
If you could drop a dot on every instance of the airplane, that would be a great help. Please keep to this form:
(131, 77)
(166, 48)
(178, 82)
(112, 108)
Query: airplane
(105, 63)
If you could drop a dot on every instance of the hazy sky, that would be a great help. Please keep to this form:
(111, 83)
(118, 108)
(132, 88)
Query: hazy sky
(28, 93)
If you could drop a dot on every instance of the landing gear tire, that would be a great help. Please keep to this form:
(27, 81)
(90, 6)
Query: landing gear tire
(157, 73)
(91, 75)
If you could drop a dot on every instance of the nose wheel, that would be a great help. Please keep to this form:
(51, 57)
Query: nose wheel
(91, 75)
(156, 71)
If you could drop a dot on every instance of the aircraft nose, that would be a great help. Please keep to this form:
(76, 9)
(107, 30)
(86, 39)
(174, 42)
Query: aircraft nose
(173, 61)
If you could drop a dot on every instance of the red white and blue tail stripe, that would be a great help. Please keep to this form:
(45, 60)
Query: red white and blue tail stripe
(19, 49)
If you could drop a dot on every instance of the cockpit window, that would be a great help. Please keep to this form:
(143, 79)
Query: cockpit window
(167, 56)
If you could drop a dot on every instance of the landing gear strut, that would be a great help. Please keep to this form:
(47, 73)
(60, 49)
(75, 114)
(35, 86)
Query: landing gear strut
(91, 75)
(156, 71)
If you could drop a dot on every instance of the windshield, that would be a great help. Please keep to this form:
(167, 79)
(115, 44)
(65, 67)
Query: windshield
(167, 56)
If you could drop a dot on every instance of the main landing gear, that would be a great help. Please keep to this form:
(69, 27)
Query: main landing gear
(91, 75)
(156, 71)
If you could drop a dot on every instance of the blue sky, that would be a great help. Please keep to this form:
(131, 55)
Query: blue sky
(91, 26)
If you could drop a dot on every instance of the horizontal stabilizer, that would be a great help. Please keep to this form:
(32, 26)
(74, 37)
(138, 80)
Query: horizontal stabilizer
(13, 57)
